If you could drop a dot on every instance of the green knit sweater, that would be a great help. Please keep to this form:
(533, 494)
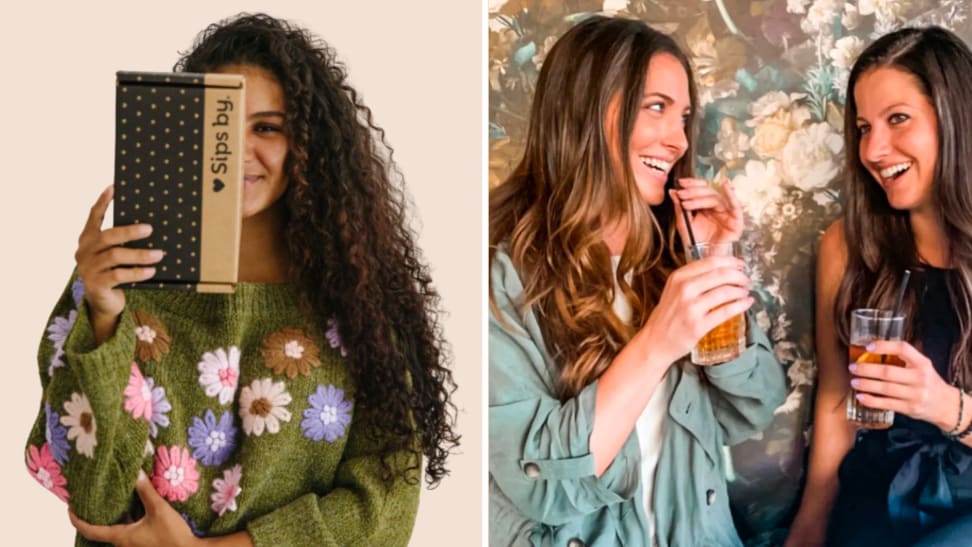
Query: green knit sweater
(239, 408)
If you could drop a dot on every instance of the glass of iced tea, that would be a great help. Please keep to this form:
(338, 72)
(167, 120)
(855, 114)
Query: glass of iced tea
(868, 325)
(728, 340)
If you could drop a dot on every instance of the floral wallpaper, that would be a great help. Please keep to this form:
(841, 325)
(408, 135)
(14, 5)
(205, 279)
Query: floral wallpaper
(772, 77)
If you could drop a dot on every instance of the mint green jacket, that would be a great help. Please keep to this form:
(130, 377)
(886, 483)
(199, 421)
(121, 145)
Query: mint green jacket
(542, 486)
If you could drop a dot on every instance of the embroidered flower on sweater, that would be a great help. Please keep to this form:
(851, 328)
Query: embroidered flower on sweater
(57, 332)
(151, 339)
(77, 291)
(46, 471)
(81, 424)
(192, 525)
(290, 351)
(143, 399)
(219, 373)
(175, 476)
(262, 406)
(328, 416)
(213, 442)
(56, 435)
(226, 489)
(334, 337)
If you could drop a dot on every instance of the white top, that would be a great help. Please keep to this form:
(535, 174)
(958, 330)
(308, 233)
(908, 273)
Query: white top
(651, 424)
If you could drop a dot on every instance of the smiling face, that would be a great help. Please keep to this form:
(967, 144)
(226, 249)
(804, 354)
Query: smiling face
(658, 140)
(265, 149)
(898, 130)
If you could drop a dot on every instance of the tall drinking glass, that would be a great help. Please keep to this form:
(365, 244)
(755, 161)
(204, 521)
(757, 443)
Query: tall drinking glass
(868, 325)
(727, 340)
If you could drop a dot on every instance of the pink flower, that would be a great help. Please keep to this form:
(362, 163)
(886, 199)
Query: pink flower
(175, 476)
(226, 489)
(138, 395)
(46, 471)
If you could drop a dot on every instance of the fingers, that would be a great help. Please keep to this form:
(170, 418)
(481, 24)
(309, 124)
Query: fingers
(147, 493)
(123, 256)
(882, 389)
(97, 214)
(908, 353)
(93, 532)
(734, 205)
(884, 372)
(703, 275)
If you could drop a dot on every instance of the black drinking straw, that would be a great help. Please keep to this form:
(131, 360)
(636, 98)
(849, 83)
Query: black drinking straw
(897, 306)
(688, 225)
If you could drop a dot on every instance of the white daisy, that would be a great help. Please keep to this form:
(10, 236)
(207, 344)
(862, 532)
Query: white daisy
(262, 405)
(226, 489)
(219, 373)
(81, 424)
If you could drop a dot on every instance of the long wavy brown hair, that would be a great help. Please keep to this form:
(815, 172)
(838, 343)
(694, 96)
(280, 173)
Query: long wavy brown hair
(353, 254)
(550, 215)
(879, 238)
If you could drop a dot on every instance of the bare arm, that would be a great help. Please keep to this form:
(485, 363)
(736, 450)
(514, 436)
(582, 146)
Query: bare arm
(833, 436)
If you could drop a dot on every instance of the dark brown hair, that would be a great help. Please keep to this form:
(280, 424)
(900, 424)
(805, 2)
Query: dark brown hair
(551, 213)
(879, 239)
(353, 254)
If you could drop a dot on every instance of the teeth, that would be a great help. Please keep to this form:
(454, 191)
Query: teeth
(655, 163)
(889, 172)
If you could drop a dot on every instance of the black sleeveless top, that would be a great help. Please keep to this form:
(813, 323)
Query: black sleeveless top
(911, 476)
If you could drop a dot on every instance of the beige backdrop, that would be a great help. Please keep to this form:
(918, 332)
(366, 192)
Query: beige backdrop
(422, 80)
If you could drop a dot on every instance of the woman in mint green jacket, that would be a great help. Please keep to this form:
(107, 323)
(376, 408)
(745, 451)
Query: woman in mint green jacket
(601, 430)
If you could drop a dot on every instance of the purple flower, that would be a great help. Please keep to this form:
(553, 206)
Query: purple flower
(334, 337)
(160, 405)
(56, 435)
(328, 415)
(77, 291)
(213, 442)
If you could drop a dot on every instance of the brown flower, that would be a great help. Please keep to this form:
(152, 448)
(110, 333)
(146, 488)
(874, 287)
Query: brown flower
(151, 339)
(290, 351)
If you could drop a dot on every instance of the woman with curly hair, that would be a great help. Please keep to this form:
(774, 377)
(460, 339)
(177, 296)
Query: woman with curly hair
(295, 411)
(601, 432)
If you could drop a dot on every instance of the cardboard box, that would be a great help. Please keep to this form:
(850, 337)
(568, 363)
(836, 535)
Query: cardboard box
(179, 167)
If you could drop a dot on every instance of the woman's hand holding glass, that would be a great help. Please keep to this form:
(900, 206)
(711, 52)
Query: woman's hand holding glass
(103, 264)
(915, 389)
(697, 297)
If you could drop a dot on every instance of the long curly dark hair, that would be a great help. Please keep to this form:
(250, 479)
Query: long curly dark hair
(353, 253)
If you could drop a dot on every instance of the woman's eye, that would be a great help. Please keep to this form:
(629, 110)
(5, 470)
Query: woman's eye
(863, 129)
(655, 107)
(895, 119)
(266, 128)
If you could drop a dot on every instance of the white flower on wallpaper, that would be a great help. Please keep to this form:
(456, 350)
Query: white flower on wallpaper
(797, 6)
(820, 17)
(888, 14)
(776, 115)
(759, 187)
(852, 17)
(845, 52)
(731, 144)
(812, 157)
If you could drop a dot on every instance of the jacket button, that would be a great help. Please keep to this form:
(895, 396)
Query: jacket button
(532, 470)
(575, 543)
(710, 497)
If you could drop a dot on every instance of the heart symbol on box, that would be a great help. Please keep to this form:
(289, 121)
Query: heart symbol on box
(218, 185)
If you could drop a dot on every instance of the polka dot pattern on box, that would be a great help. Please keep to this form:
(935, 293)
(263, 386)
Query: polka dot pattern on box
(158, 168)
